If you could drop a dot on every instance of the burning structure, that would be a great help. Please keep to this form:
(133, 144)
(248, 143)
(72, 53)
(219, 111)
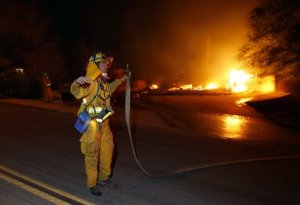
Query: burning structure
(239, 81)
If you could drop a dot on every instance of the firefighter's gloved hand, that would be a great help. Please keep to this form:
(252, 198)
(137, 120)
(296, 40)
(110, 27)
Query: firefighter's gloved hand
(83, 81)
(123, 78)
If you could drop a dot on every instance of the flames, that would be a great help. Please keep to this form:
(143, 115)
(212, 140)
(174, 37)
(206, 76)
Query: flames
(187, 87)
(153, 87)
(191, 87)
(239, 81)
(211, 86)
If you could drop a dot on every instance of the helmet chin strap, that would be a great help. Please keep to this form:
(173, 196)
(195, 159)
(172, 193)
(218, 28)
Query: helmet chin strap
(104, 79)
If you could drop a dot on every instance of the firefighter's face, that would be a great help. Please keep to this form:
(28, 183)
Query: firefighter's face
(103, 66)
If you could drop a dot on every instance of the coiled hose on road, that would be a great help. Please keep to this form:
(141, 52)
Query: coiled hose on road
(181, 170)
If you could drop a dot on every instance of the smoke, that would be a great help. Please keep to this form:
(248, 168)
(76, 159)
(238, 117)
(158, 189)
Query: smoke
(190, 41)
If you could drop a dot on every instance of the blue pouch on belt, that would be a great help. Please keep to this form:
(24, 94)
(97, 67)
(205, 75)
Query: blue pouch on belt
(82, 122)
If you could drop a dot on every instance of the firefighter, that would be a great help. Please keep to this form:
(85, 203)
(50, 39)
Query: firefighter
(97, 140)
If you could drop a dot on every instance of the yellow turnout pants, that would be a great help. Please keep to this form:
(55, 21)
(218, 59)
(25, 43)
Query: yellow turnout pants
(97, 146)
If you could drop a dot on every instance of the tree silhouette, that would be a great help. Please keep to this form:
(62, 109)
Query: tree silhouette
(273, 45)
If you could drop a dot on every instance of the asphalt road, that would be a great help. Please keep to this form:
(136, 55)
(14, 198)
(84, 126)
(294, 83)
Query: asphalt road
(40, 161)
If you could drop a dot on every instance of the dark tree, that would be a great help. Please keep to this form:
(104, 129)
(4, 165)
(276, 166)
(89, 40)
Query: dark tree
(273, 45)
(25, 40)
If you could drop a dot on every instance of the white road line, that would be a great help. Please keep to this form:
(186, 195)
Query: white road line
(34, 191)
(46, 186)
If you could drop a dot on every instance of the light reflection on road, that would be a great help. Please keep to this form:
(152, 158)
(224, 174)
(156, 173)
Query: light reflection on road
(205, 116)
(242, 128)
(234, 126)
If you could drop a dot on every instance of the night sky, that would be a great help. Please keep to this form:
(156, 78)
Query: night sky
(165, 40)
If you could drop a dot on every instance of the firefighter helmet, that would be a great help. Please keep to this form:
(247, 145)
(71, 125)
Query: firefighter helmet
(100, 57)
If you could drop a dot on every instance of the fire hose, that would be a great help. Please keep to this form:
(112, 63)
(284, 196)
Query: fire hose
(184, 169)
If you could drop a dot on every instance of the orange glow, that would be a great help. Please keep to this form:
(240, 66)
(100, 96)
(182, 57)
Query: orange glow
(199, 87)
(238, 80)
(187, 87)
(211, 86)
(242, 101)
(173, 89)
(267, 84)
(233, 126)
(154, 87)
